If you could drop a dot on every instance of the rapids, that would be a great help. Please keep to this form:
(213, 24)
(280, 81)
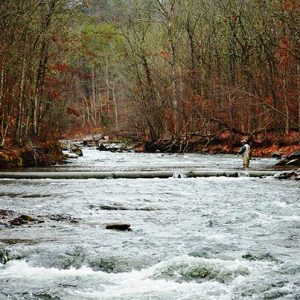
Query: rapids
(192, 238)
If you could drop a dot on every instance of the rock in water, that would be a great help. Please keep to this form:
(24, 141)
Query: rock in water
(293, 155)
(291, 160)
(101, 147)
(71, 155)
(294, 162)
(276, 154)
(121, 227)
(77, 151)
(288, 175)
(27, 218)
(17, 221)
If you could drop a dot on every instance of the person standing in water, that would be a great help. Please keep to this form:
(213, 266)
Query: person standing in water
(245, 152)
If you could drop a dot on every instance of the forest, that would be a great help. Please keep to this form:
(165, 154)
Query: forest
(148, 69)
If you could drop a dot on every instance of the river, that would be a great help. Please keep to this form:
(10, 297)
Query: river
(192, 238)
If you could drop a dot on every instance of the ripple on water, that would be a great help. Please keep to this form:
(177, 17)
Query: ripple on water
(241, 233)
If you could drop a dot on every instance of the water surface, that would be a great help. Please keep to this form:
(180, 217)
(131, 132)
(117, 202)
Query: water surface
(191, 238)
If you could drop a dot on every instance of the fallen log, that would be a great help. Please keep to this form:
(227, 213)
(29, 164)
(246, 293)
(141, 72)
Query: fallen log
(133, 175)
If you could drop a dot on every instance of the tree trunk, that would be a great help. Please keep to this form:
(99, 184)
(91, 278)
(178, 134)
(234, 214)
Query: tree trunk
(93, 98)
(286, 107)
(116, 110)
(19, 117)
(298, 82)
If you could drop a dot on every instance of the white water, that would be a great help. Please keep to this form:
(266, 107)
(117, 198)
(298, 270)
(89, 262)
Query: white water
(191, 238)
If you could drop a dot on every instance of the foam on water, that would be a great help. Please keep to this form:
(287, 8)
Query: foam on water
(179, 175)
(128, 285)
(243, 234)
(22, 269)
(159, 289)
(183, 277)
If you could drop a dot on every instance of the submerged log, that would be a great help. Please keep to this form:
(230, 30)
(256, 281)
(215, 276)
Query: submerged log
(136, 174)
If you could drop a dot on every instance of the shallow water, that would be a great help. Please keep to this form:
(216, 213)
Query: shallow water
(191, 238)
(94, 160)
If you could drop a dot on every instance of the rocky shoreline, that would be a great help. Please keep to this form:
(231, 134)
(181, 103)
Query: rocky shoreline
(57, 152)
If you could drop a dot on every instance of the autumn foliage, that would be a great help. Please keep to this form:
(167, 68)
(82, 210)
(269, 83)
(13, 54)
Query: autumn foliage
(149, 69)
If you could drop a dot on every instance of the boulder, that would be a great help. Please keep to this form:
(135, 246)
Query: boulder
(4, 213)
(119, 226)
(63, 218)
(101, 147)
(23, 219)
(71, 155)
(17, 221)
(293, 162)
(276, 154)
(105, 139)
(288, 175)
(139, 147)
(88, 141)
(97, 137)
(77, 151)
(282, 162)
(4, 255)
(294, 155)
(108, 207)
(88, 138)
(65, 145)
(94, 139)
(27, 218)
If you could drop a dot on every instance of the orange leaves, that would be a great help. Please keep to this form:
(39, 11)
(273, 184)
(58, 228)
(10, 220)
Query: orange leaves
(72, 111)
(269, 100)
(61, 68)
(234, 18)
(197, 102)
(282, 53)
(169, 120)
(197, 99)
(164, 54)
(54, 94)
(168, 115)
(51, 80)
(291, 5)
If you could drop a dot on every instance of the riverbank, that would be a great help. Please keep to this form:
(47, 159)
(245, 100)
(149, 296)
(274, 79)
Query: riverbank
(223, 142)
(46, 154)
(262, 145)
